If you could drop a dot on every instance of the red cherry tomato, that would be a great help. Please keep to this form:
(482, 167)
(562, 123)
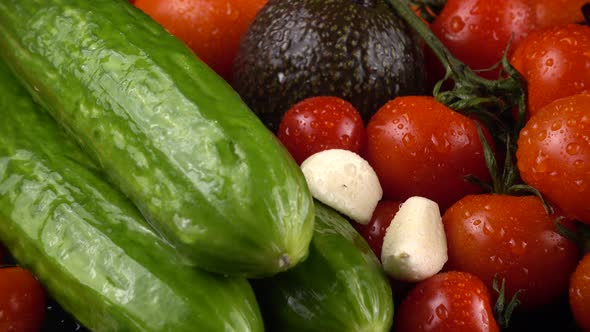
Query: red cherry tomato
(555, 62)
(211, 28)
(22, 301)
(579, 293)
(321, 123)
(554, 154)
(374, 231)
(419, 147)
(477, 32)
(448, 301)
(514, 238)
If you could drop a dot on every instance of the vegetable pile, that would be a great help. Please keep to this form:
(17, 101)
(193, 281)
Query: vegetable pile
(274, 165)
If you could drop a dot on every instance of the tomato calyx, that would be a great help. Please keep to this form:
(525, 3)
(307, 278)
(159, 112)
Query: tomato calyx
(507, 182)
(503, 310)
(470, 90)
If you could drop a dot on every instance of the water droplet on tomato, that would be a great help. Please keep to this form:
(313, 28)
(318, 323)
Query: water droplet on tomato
(540, 165)
(430, 319)
(579, 163)
(456, 24)
(572, 149)
(549, 62)
(476, 222)
(555, 126)
(572, 122)
(442, 312)
(488, 229)
(408, 140)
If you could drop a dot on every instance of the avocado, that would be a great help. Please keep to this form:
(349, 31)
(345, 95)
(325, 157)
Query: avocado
(359, 50)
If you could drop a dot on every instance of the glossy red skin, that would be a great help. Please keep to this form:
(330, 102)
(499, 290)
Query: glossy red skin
(320, 123)
(513, 237)
(22, 301)
(447, 302)
(554, 154)
(555, 62)
(477, 32)
(375, 230)
(419, 147)
(211, 28)
(579, 293)
(556, 12)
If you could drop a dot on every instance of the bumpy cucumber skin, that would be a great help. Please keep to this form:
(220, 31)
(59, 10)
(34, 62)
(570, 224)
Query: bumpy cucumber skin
(169, 133)
(89, 245)
(340, 287)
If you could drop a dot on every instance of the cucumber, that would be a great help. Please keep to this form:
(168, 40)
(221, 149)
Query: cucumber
(168, 132)
(340, 287)
(87, 243)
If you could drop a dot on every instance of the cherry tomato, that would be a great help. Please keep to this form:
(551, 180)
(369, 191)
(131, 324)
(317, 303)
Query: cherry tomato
(211, 28)
(579, 293)
(557, 12)
(374, 231)
(477, 32)
(554, 154)
(555, 62)
(515, 238)
(448, 301)
(22, 301)
(321, 123)
(419, 147)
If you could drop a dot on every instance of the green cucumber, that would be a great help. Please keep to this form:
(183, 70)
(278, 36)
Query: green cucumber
(88, 244)
(340, 287)
(167, 131)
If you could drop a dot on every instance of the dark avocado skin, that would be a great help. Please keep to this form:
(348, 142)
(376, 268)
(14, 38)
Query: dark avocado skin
(358, 50)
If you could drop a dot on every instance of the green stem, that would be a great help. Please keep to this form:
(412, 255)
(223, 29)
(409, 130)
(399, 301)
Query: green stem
(502, 93)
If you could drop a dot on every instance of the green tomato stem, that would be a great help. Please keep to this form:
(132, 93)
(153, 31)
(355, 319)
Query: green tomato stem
(470, 90)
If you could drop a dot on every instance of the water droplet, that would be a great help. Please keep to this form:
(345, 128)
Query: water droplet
(555, 126)
(572, 122)
(488, 229)
(579, 163)
(430, 319)
(408, 140)
(457, 24)
(476, 222)
(549, 62)
(540, 164)
(572, 149)
(442, 312)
